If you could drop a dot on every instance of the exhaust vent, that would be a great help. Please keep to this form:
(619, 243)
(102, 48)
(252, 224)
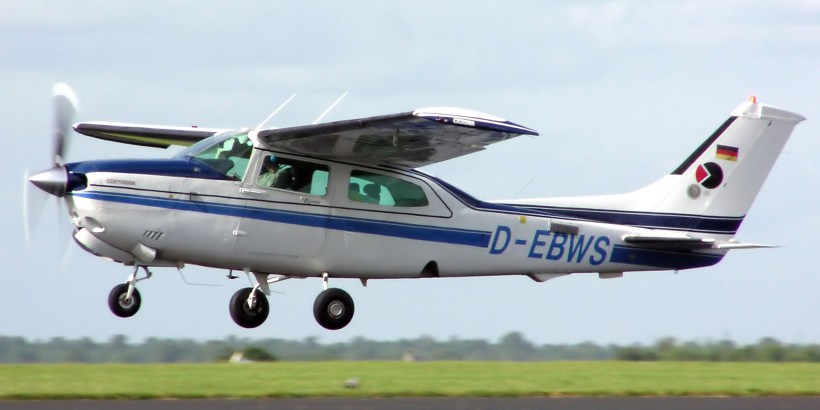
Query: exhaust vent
(153, 235)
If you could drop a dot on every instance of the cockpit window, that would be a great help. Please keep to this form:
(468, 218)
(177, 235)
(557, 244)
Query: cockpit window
(227, 153)
(293, 175)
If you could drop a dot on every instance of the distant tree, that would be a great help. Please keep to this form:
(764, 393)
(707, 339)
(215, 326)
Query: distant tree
(512, 346)
(258, 354)
(515, 347)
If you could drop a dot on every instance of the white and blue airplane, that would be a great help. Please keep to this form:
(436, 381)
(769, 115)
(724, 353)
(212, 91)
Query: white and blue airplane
(345, 200)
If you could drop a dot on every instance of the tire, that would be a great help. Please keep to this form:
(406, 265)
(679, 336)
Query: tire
(333, 309)
(247, 317)
(119, 306)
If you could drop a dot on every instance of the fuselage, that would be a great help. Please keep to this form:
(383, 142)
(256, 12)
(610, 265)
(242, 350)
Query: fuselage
(345, 219)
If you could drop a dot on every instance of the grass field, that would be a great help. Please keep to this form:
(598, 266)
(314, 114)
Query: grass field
(385, 379)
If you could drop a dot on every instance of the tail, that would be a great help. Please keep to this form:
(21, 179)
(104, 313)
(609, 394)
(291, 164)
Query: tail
(710, 192)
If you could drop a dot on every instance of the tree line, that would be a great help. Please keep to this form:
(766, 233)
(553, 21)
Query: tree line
(510, 347)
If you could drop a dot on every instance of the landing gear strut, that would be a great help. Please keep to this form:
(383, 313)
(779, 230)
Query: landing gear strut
(124, 300)
(333, 308)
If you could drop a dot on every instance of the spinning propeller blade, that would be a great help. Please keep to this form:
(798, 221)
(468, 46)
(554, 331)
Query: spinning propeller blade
(54, 180)
(65, 109)
(33, 201)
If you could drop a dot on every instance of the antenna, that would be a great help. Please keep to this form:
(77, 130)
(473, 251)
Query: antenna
(276, 111)
(523, 188)
(331, 107)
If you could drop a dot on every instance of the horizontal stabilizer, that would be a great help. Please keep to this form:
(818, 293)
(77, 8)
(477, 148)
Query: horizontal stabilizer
(676, 242)
(738, 245)
(669, 242)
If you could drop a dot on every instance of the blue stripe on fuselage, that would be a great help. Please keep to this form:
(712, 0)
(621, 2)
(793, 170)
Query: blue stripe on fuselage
(481, 239)
(172, 167)
(428, 233)
(652, 220)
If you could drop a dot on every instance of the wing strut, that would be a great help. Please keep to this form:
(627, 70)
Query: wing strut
(276, 111)
(316, 121)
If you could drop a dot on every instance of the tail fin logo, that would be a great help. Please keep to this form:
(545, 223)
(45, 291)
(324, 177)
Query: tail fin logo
(726, 152)
(710, 175)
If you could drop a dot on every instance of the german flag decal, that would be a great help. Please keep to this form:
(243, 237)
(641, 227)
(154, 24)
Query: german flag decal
(726, 152)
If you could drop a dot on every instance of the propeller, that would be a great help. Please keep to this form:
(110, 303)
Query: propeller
(55, 180)
(65, 109)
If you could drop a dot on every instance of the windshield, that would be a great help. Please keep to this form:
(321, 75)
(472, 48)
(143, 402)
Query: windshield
(228, 153)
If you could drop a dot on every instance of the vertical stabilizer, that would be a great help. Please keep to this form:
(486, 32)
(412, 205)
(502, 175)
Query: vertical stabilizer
(712, 189)
(723, 176)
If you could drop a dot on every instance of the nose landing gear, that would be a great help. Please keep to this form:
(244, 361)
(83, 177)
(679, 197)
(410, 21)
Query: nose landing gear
(124, 300)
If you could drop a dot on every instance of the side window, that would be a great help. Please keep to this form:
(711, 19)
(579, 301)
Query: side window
(293, 175)
(384, 190)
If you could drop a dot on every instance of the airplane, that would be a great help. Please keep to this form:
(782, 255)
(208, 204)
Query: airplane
(346, 200)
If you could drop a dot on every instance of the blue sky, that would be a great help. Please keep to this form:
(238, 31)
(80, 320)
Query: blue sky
(621, 92)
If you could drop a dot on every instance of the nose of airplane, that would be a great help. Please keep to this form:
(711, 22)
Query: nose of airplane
(54, 181)
(57, 181)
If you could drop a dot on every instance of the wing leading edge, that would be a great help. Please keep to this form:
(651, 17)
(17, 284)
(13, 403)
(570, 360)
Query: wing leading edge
(158, 136)
(410, 139)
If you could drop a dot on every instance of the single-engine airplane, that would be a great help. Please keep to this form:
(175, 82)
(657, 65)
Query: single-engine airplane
(345, 200)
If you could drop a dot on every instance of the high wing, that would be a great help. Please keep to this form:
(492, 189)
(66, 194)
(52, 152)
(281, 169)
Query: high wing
(158, 136)
(410, 139)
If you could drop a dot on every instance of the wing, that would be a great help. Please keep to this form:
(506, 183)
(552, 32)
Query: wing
(146, 135)
(410, 139)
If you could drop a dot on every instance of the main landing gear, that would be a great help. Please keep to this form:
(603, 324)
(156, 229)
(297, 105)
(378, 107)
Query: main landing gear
(249, 307)
(333, 308)
(124, 300)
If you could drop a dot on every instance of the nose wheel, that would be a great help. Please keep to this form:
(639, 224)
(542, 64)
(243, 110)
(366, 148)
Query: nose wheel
(124, 299)
(121, 304)
(333, 309)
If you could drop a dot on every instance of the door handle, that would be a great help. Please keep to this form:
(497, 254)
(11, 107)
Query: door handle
(252, 191)
(309, 201)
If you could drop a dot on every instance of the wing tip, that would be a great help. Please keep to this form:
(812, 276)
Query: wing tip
(469, 118)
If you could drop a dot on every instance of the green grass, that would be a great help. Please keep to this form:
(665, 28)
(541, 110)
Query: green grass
(387, 379)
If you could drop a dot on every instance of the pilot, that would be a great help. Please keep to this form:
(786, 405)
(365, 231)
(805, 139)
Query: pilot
(373, 193)
(274, 174)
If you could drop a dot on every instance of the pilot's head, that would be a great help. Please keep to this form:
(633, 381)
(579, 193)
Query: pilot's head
(270, 162)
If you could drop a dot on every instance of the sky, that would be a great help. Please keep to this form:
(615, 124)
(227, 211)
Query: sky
(621, 92)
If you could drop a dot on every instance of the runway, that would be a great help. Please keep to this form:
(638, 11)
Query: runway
(468, 403)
